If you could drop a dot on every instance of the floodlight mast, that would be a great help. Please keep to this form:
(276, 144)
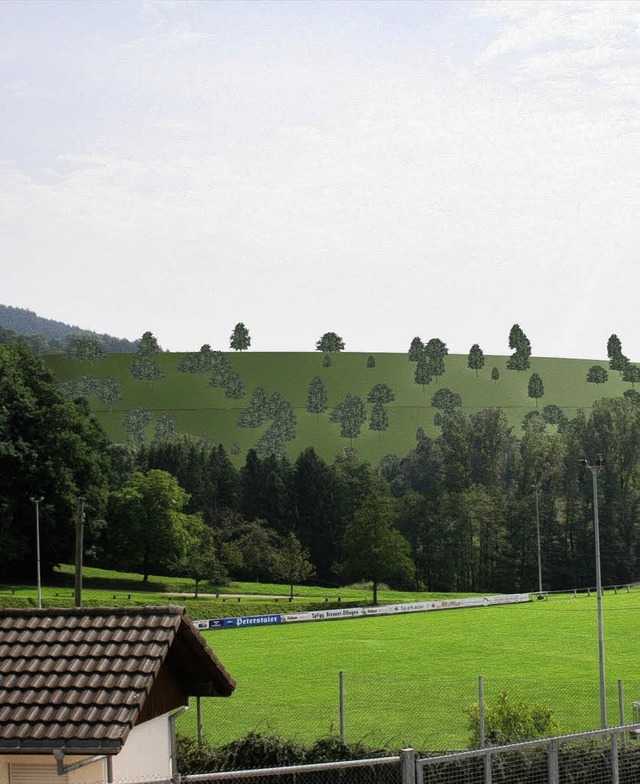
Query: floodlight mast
(595, 469)
(536, 489)
(37, 501)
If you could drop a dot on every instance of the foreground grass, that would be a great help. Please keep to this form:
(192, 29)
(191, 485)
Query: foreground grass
(408, 678)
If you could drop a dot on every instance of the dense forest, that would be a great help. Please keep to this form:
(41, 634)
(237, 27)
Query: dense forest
(45, 336)
(457, 513)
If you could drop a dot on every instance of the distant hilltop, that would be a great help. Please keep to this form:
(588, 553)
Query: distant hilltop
(44, 335)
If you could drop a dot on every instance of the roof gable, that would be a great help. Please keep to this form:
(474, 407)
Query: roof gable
(78, 679)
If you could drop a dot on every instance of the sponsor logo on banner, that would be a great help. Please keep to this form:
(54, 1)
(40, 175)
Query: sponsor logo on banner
(251, 620)
(359, 612)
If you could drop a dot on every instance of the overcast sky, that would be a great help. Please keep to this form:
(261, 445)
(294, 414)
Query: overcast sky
(378, 169)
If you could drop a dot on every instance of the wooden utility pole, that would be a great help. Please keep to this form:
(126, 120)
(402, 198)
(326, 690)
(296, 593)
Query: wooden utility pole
(77, 590)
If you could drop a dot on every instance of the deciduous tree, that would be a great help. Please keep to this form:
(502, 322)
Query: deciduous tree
(475, 359)
(240, 340)
(597, 375)
(317, 397)
(373, 548)
(330, 343)
(535, 388)
(351, 414)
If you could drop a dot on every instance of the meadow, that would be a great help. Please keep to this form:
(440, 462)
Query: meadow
(409, 678)
(202, 410)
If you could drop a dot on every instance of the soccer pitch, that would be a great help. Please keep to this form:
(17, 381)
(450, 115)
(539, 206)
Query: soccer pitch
(408, 678)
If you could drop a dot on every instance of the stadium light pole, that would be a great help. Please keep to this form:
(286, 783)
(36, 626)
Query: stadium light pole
(36, 501)
(536, 489)
(595, 468)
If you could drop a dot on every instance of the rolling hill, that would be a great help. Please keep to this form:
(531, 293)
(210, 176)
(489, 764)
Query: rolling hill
(187, 401)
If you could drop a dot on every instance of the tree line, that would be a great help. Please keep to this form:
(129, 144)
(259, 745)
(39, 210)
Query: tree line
(457, 513)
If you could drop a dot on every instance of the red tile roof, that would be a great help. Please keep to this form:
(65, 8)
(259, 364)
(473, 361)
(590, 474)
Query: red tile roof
(79, 679)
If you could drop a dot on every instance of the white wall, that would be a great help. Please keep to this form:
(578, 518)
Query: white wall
(147, 751)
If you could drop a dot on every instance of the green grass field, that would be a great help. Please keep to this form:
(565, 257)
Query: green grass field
(408, 678)
(202, 410)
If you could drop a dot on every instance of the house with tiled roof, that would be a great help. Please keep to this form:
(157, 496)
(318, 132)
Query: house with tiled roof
(91, 694)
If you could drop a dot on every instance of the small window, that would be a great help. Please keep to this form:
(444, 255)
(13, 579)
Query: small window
(27, 773)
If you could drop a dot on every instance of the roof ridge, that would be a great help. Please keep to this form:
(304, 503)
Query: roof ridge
(36, 612)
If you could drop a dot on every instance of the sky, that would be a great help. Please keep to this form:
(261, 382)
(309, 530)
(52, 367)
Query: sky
(382, 170)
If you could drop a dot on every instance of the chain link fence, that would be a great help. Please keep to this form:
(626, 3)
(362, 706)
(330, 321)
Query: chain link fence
(610, 756)
(393, 712)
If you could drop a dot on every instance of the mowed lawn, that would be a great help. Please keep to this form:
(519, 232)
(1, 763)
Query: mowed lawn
(408, 678)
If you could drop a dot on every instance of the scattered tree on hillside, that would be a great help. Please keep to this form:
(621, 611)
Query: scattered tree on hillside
(330, 343)
(436, 350)
(535, 388)
(199, 361)
(423, 373)
(326, 361)
(475, 359)
(143, 365)
(617, 360)
(317, 397)
(416, 349)
(87, 348)
(258, 412)
(373, 548)
(371, 361)
(234, 387)
(381, 393)
(379, 419)
(82, 386)
(420, 434)
(351, 414)
(110, 392)
(631, 373)
(165, 427)
(519, 360)
(597, 375)
(134, 424)
(220, 369)
(446, 400)
(240, 340)
(495, 374)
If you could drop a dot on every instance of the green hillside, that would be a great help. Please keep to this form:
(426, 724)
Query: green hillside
(200, 409)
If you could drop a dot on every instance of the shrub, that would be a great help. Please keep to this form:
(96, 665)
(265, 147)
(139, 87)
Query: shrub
(510, 722)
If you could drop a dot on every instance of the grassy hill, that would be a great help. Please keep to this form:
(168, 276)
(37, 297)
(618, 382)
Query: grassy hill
(200, 409)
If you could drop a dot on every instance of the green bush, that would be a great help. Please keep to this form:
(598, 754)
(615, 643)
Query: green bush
(509, 722)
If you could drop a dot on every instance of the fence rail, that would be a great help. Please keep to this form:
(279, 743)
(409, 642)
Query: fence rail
(609, 756)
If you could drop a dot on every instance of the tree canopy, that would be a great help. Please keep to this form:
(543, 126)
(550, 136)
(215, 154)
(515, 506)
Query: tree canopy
(330, 343)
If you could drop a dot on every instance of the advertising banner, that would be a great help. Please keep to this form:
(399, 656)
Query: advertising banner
(360, 612)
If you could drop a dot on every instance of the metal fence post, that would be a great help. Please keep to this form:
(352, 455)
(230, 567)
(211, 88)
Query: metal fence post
(199, 721)
(614, 758)
(408, 765)
(621, 704)
(481, 734)
(554, 768)
(341, 682)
